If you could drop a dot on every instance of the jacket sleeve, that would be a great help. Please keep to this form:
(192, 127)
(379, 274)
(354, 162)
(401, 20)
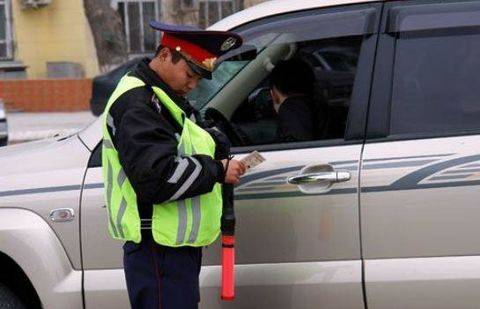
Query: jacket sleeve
(147, 149)
(222, 149)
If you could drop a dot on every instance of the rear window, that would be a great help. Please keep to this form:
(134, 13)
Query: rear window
(436, 86)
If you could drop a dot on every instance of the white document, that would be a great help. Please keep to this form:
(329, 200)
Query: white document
(252, 159)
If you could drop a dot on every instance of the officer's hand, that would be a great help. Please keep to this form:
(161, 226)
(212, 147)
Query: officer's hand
(235, 170)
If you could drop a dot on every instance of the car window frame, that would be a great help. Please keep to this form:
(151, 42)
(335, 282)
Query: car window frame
(355, 131)
(378, 126)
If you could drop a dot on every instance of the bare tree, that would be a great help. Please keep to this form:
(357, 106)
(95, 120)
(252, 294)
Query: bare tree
(107, 29)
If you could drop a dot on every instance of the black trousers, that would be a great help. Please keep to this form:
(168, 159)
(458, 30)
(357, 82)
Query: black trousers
(162, 277)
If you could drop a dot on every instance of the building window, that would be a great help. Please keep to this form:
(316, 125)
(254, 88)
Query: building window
(5, 31)
(187, 5)
(211, 11)
(136, 14)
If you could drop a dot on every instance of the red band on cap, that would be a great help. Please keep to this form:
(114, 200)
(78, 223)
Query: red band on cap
(195, 52)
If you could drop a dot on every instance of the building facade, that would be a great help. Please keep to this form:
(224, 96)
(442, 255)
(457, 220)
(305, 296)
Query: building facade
(49, 35)
(47, 50)
(52, 38)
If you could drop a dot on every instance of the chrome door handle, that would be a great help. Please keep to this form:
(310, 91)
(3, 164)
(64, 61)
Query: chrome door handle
(317, 177)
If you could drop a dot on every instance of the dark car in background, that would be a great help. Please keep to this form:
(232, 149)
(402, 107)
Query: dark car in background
(103, 85)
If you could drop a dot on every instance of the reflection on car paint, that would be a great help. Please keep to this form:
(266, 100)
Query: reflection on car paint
(462, 171)
(273, 184)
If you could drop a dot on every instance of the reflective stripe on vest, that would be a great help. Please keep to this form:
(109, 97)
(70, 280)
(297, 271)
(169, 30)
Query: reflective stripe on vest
(189, 222)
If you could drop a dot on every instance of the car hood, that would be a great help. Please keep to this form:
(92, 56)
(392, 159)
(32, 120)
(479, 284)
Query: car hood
(45, 156)
(23, 148)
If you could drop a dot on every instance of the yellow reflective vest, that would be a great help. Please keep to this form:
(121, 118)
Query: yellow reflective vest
(187, 222)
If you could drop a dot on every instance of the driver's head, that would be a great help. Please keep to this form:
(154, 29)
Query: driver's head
(291, 77)
(186, 54)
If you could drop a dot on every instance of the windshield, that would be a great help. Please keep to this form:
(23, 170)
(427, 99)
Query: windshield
(224, 73)
(206, 89)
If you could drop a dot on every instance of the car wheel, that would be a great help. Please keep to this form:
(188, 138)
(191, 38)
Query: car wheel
(8, 300)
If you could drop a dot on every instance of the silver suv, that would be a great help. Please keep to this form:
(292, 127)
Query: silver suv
(391, 220)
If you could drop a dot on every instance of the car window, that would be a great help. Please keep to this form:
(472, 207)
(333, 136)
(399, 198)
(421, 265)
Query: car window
(436, 85)
(206, 89)
(330, 43)
(333, 63)
(429, 70)
(226, 71)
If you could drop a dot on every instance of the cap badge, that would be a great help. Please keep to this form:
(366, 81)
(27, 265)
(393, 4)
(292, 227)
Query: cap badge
(209, 63)
(228, 43)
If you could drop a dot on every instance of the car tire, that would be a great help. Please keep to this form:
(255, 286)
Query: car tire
(8, 300)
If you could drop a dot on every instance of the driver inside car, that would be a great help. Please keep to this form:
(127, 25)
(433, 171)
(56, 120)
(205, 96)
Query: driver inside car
(292, 88)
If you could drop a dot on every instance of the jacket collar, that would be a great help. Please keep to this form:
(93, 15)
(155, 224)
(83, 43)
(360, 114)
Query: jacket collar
(145, 73)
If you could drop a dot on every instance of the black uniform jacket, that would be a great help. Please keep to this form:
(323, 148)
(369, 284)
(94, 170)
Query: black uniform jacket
(143, 133)
(296, 120)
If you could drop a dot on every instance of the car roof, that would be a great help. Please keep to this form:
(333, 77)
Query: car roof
(276, 7)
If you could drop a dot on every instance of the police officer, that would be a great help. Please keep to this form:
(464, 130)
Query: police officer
(163, 185)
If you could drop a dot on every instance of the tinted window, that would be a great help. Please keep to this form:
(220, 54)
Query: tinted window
(329, 43)
(436, 86)
(207, 89)
(333, 62)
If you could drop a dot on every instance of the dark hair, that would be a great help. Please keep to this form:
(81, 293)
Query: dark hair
(175, 54)
(293, 76)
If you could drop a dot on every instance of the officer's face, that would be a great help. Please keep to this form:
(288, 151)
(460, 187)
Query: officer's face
(178, 75)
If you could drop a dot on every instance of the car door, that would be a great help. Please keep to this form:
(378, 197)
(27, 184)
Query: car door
(421, 163)
(298, 245)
